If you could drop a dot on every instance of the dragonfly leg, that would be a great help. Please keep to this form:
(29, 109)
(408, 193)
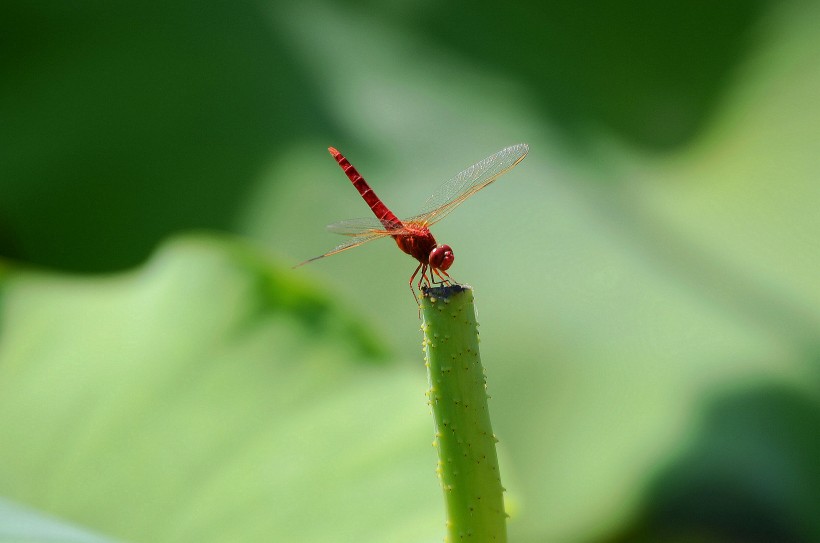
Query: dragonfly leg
(423, 280)
(419, 267)
(443, 275)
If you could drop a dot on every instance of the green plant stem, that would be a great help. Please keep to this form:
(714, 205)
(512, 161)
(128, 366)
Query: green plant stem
(468, 465)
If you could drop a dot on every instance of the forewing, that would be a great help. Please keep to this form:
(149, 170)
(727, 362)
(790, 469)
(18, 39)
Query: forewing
(365, 227)
(468, 182)
(356, 227)
(354, 242)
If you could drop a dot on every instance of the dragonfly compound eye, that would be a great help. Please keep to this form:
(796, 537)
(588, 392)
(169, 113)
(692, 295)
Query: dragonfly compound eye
(442, 257)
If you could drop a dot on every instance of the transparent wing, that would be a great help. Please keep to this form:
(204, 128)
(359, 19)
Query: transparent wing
(467, 183)
(357, 227)
(354, 242)
(367, 226)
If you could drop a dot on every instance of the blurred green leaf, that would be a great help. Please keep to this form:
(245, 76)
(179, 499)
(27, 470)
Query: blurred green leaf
(654, 259)
(650, 73)
(209, 397)
(125, 123)
(21, 525)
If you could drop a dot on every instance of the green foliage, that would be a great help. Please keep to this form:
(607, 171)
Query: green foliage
(183, 402)
(18, 524)
(649, 295)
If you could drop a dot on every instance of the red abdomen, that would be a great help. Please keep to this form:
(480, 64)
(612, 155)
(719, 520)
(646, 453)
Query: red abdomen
(387, 218)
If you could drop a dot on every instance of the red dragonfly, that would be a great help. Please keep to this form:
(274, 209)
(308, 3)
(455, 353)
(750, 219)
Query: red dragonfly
(413, 235)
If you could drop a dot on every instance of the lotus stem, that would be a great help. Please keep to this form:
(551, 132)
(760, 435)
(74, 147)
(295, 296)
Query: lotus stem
(467, 465)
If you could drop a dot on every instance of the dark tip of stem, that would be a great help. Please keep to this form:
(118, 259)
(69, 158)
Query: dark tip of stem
(443, 291)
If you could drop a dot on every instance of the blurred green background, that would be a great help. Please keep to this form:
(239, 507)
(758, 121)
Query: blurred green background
(647, 280)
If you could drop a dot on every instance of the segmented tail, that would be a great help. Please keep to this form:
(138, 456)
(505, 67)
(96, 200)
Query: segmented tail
(387, 218)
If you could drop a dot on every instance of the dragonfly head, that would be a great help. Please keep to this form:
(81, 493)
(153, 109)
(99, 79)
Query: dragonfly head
(441, 257)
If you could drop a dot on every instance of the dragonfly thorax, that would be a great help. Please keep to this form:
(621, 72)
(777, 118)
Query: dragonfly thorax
(418, 242)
